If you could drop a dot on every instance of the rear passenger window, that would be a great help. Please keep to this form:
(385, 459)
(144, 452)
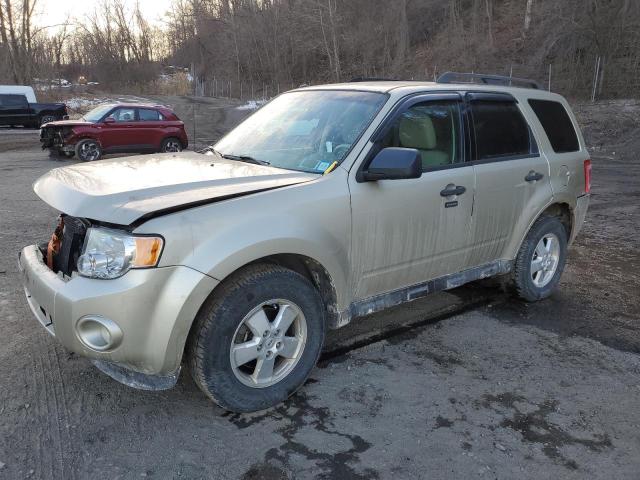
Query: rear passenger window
(432, 128)
(557, 125)
(147, 115)
(501, 130)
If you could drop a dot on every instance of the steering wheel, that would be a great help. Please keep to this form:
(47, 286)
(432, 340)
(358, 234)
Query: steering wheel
(340, 150)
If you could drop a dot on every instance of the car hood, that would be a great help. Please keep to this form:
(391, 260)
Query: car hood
(127, 190)
(67, 123)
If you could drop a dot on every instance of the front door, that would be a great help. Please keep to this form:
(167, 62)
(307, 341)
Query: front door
(121, 134)
(409, 231)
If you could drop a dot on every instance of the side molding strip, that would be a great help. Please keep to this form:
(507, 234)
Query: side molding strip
(377, 303)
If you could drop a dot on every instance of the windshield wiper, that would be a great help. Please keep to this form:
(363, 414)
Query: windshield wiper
(243, 158)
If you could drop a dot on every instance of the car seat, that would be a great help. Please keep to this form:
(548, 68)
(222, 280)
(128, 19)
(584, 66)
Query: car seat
(419, 133)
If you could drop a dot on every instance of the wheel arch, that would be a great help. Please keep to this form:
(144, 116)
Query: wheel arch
(306, 266)
(559, 209)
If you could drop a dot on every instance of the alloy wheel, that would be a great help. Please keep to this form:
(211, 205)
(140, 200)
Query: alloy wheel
(173, 146)
(89, 151)
(47, 119)
(545, 259)
(268, 343)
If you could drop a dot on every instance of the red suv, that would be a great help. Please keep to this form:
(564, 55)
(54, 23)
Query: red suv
(135, 128)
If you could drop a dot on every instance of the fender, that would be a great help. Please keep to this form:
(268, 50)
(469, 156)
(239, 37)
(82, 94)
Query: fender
(312, 219)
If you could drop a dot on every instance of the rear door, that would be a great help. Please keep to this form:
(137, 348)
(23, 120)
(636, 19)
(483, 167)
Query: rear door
(512, 177)
(14, 110)
(151, 126)
(406, 232)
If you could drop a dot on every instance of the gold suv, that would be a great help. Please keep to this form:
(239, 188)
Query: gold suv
(329, 203)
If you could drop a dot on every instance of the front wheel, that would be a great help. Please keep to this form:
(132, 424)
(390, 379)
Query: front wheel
(541, 259)
(88, 150)
(257, 338)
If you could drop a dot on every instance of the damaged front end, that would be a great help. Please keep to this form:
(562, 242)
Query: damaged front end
(65, 245)
(57, 137)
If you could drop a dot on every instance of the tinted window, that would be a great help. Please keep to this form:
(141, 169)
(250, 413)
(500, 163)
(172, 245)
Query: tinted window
(557, 125)
(433, 128)
(147, 115)
(124, 115)
(13, 100)
(501, 130)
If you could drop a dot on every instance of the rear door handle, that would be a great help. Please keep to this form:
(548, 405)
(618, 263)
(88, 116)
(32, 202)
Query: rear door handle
(451, 190)
(533, 176)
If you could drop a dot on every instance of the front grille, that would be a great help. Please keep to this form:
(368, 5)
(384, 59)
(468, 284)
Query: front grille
(73, 234)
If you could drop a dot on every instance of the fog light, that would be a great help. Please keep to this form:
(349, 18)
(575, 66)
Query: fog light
(98, 333)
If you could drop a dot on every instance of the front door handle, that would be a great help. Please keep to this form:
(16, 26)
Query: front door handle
(533, 176)
(451, 190)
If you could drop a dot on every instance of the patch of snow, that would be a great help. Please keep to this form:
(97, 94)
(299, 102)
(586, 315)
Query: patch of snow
(81, 103)
(252, 105)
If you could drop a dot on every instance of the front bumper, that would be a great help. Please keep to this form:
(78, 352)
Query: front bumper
(153, 307)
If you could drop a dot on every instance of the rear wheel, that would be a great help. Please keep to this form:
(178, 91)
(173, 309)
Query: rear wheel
(88, 150)
(257, 338)
(46, 119)
(541, 259)
(171, 145)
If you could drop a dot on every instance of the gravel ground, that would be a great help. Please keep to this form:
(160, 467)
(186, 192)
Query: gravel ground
(465, 384)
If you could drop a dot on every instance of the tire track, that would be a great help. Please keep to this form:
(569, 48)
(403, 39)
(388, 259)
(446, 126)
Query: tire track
(59, 392)
(45, 456)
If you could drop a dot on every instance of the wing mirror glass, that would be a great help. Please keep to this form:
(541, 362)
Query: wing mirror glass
(394, 163)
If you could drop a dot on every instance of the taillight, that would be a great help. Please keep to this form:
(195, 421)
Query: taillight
(587, 176)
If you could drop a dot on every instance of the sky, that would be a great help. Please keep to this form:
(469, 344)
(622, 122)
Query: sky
(54, 12)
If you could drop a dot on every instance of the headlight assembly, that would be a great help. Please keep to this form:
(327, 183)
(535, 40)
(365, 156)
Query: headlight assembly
(112, 253)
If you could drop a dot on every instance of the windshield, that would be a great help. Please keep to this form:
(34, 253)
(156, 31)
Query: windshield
(305, 131)
(97, 113)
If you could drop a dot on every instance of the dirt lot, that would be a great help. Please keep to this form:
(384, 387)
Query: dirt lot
(465, 384)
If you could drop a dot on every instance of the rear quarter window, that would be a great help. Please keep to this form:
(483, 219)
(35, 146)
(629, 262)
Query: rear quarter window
(556, 124)
(501, 130)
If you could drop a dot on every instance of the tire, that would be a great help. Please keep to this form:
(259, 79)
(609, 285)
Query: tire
(541, 259)
(171, 144)
(46, 119)
(88, 150)
(222, 320)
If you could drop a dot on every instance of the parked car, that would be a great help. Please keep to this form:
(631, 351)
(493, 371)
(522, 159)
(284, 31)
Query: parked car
(329, 203)
(116, 128)
(18, 106)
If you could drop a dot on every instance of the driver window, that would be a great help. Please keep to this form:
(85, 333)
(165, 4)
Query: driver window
(123, 115)
(433, 128)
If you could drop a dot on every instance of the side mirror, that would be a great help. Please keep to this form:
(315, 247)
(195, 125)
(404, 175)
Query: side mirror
(394, 163)
(65, 117)
(109, 120)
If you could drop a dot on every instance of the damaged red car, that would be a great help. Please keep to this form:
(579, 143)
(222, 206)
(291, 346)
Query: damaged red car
(116, 128)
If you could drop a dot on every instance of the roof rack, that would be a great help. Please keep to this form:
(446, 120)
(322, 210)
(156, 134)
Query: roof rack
(455, 77)
(372, 79)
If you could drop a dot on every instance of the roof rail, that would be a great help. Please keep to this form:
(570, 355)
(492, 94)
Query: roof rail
(372, 79)
(455, 77)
